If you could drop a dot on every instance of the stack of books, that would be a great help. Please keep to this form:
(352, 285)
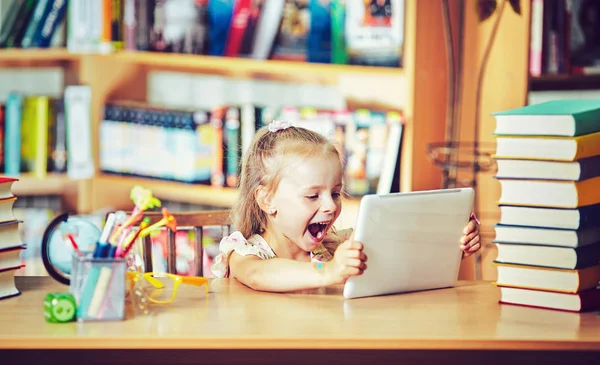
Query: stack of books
(10, 240)
(548, 236)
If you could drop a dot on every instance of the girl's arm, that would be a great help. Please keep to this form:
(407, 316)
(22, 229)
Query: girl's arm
(282, 275)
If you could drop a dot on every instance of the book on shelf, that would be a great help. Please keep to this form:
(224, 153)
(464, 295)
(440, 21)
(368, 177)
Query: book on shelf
(548, 147)
(547, 236)
(35, 125)
(208, 144)
(550, 217)
(568, 118)
(12, 135)
(375, 32)
(562, 37)
(78, 114)
(319, 40)
(549, 279)
(16, 23)
(575, 302)
(581, 169)
(548, 256)
(333, 31)
(291, 41)
(548, 193)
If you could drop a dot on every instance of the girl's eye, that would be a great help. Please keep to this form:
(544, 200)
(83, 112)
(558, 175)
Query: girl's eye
(336, 195)
(313, 197)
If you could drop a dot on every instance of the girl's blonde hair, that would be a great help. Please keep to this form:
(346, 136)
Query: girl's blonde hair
(262, 166)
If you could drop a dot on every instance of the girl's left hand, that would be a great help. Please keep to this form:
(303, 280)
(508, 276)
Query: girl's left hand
(470, 242)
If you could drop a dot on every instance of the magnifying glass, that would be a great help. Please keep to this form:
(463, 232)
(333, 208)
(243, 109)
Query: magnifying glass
(57, 249)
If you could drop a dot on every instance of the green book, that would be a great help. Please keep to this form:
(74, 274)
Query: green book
(338, 34)
(567, 118)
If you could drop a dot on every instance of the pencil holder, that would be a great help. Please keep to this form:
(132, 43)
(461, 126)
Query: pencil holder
(98, 285)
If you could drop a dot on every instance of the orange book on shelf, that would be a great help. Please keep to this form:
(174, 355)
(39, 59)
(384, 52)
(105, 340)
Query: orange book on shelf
(546, 278)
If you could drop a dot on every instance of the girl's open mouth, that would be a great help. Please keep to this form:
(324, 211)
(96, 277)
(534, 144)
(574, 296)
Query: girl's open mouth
(318, 230)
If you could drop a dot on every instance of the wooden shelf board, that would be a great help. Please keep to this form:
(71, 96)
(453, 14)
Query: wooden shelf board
(119, 187)
(247, 67)
(19, 55)
(52, 184)
(564, 82)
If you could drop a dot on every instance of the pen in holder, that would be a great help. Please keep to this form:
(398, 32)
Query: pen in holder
(98, 285)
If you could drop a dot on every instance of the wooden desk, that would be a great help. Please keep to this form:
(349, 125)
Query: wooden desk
(235, 324)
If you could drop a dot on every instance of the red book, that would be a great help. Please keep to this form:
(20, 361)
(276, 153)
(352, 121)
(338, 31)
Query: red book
(239, 21)
(6, 186)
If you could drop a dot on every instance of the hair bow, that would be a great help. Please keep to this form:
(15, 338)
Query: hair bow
(278, 125)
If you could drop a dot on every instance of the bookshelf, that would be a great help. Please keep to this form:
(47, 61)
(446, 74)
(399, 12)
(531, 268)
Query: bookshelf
(417, 86)
(564, 82)
(52, 184)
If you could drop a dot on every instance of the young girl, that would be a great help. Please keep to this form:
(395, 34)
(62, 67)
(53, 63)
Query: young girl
(289, 197)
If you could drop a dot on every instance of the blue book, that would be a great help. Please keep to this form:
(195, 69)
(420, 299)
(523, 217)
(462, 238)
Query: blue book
(54, 15)
(319, 34)
(12, 145)
(219, 20)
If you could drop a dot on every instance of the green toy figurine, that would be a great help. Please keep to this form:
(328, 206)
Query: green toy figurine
(59, 307)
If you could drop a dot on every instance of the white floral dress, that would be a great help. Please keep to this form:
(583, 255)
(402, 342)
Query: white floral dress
(257, 246)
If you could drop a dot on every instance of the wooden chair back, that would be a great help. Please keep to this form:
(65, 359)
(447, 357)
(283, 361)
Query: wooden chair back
(194, 221)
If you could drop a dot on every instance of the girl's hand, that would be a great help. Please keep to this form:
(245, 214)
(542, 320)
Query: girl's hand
(348, 260)
(470, 242)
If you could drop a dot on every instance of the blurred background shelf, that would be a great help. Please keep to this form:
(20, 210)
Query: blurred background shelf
(20, 55)
(231, 66)
(113, 190)
(52, 184)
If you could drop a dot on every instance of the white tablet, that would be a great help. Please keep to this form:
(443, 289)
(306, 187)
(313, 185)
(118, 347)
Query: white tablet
(412, 241)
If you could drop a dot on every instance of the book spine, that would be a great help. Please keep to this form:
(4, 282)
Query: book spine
(319, 35)
(57, 11)
(20, 25)
(116, 24)
(129, 24)
(338, 36)
(41, 110)
(267, 28)
(8, 21)
(35, 22)
(589, 168)
(232, 146)
(537, 36)
(12, 148)
(80, 164)
(587, 256)
(589, 215)
(144, 21)
(239, 22)
(216, 121)
(219, 16)
(250, 32)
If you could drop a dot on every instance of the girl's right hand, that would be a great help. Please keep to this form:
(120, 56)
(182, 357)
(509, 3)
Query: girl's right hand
(348, 260)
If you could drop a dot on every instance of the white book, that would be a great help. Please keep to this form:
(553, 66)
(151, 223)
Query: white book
(80, 163)
(267, 28)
